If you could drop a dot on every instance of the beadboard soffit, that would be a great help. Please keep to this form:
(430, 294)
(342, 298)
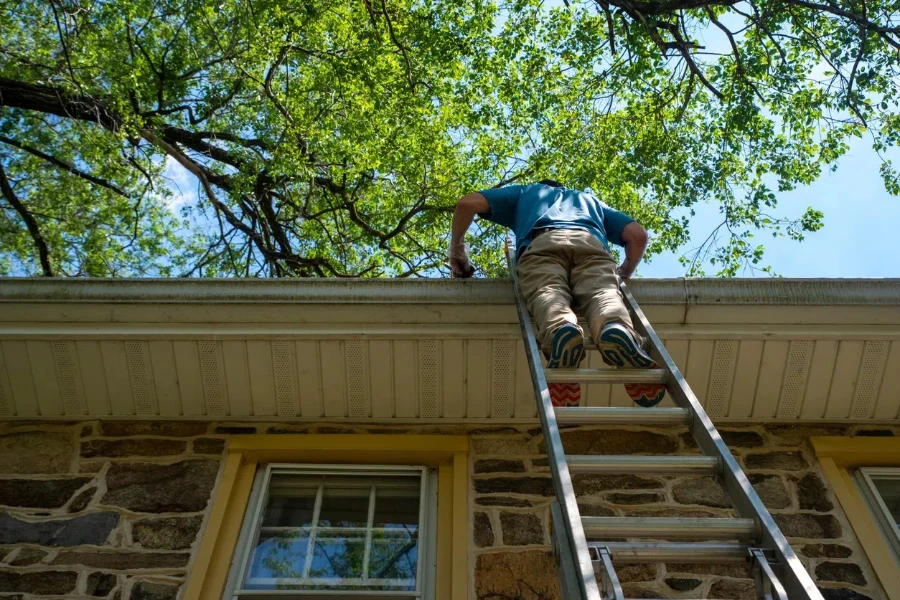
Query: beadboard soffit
(426, 351)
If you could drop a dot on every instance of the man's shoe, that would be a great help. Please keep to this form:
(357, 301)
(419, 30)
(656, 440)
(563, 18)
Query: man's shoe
(618, 348)
(566, 352)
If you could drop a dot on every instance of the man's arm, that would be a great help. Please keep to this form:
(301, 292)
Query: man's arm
(466, 208)
(634, 238)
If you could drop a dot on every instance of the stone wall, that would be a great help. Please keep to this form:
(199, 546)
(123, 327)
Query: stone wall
(116, 509)
(511, 489)
(102, 510)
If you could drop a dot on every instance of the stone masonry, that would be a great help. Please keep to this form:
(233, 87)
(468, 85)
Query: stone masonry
(511, 490)
(102, 510)
(116, 509)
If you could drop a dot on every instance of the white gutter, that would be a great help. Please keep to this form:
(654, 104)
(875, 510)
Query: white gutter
(681, 291)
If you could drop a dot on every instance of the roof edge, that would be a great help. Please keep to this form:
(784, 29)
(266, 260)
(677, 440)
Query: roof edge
(780, 291)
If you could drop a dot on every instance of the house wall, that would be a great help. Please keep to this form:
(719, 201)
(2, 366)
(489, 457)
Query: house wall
(115, 509)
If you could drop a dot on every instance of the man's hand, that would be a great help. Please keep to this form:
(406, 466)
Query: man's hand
(459, 261)
(625, 270)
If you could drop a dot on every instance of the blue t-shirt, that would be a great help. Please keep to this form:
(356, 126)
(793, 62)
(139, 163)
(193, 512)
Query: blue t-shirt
(524, 207)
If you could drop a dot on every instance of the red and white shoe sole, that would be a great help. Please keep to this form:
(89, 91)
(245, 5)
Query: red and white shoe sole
(565, 395)
(647, 395)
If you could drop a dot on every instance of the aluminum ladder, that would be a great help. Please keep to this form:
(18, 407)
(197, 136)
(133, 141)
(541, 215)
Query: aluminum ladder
(581, 554)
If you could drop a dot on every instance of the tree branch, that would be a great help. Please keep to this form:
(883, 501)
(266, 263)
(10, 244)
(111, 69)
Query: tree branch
(609, 25)
(864, 38)
(57, 101)
(860, 20)
(198, 143)
(738, 61)
(400, 46)
(62, 42)
(30, 223)
(63, 165)
(659, 7)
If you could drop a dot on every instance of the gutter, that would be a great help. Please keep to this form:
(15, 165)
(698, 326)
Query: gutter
(677, 291)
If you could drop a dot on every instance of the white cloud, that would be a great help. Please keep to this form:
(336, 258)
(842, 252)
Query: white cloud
(182, 183)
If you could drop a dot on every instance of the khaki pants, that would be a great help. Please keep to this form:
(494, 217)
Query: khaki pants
(566, 269)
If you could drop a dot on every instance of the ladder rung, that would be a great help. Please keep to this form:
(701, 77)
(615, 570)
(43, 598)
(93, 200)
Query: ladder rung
(676, 552)
(619, 415)
(605, 375)
(643, 464)
(666, 527)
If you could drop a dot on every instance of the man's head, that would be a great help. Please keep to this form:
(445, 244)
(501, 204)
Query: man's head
(551, 183)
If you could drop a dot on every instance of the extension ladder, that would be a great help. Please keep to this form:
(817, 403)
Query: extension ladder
(578, 541)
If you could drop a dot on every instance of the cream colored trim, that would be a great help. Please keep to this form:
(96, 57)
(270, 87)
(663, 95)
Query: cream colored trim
(232, 421)
(257, 331)
(213, 558)
(837, 455)
(220, 350)
(858, 451)
(725, 331)
(460, 557)
(384, 331)
(843, 292)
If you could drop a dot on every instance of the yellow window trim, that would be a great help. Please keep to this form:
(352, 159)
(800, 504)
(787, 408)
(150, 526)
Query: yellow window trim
(838, 455)
(448, 453)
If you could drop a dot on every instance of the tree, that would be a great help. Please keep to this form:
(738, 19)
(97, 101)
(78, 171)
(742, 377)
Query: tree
(332, 138)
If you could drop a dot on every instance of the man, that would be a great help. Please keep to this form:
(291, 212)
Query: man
(564, 264)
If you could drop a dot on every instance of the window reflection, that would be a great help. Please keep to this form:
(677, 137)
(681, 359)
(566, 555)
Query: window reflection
(338, 532)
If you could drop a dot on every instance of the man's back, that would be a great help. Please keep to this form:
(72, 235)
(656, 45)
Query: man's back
(523, 208)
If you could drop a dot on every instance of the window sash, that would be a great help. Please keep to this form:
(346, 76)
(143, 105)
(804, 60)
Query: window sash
(252, 527)
(882, 515)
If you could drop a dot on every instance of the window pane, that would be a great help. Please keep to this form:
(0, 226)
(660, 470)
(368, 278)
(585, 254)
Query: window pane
(889, 490)
(395, 557)
(277, 556)
(338, 557)
(346, 505)
(397, 507)
(290, 503)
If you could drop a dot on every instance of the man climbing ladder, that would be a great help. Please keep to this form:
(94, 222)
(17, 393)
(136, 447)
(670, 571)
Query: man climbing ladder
(564, 268)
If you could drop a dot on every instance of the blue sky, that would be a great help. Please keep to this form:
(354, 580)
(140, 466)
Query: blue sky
(860, 237)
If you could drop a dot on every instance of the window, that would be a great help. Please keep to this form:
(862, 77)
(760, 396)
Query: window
(225, 547)
(881, 490)
(337, 531)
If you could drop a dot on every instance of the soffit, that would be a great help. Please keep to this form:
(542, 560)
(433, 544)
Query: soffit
(424, 350)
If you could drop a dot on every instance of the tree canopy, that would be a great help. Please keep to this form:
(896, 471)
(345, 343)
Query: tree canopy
(332, 137)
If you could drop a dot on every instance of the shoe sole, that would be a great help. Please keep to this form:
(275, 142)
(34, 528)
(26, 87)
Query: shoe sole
(565, 395)
(618, 349)
(566, 352)
(566, 348)
(646, 395)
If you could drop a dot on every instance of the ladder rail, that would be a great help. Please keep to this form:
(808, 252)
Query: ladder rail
(797, 582)
(585, 578)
